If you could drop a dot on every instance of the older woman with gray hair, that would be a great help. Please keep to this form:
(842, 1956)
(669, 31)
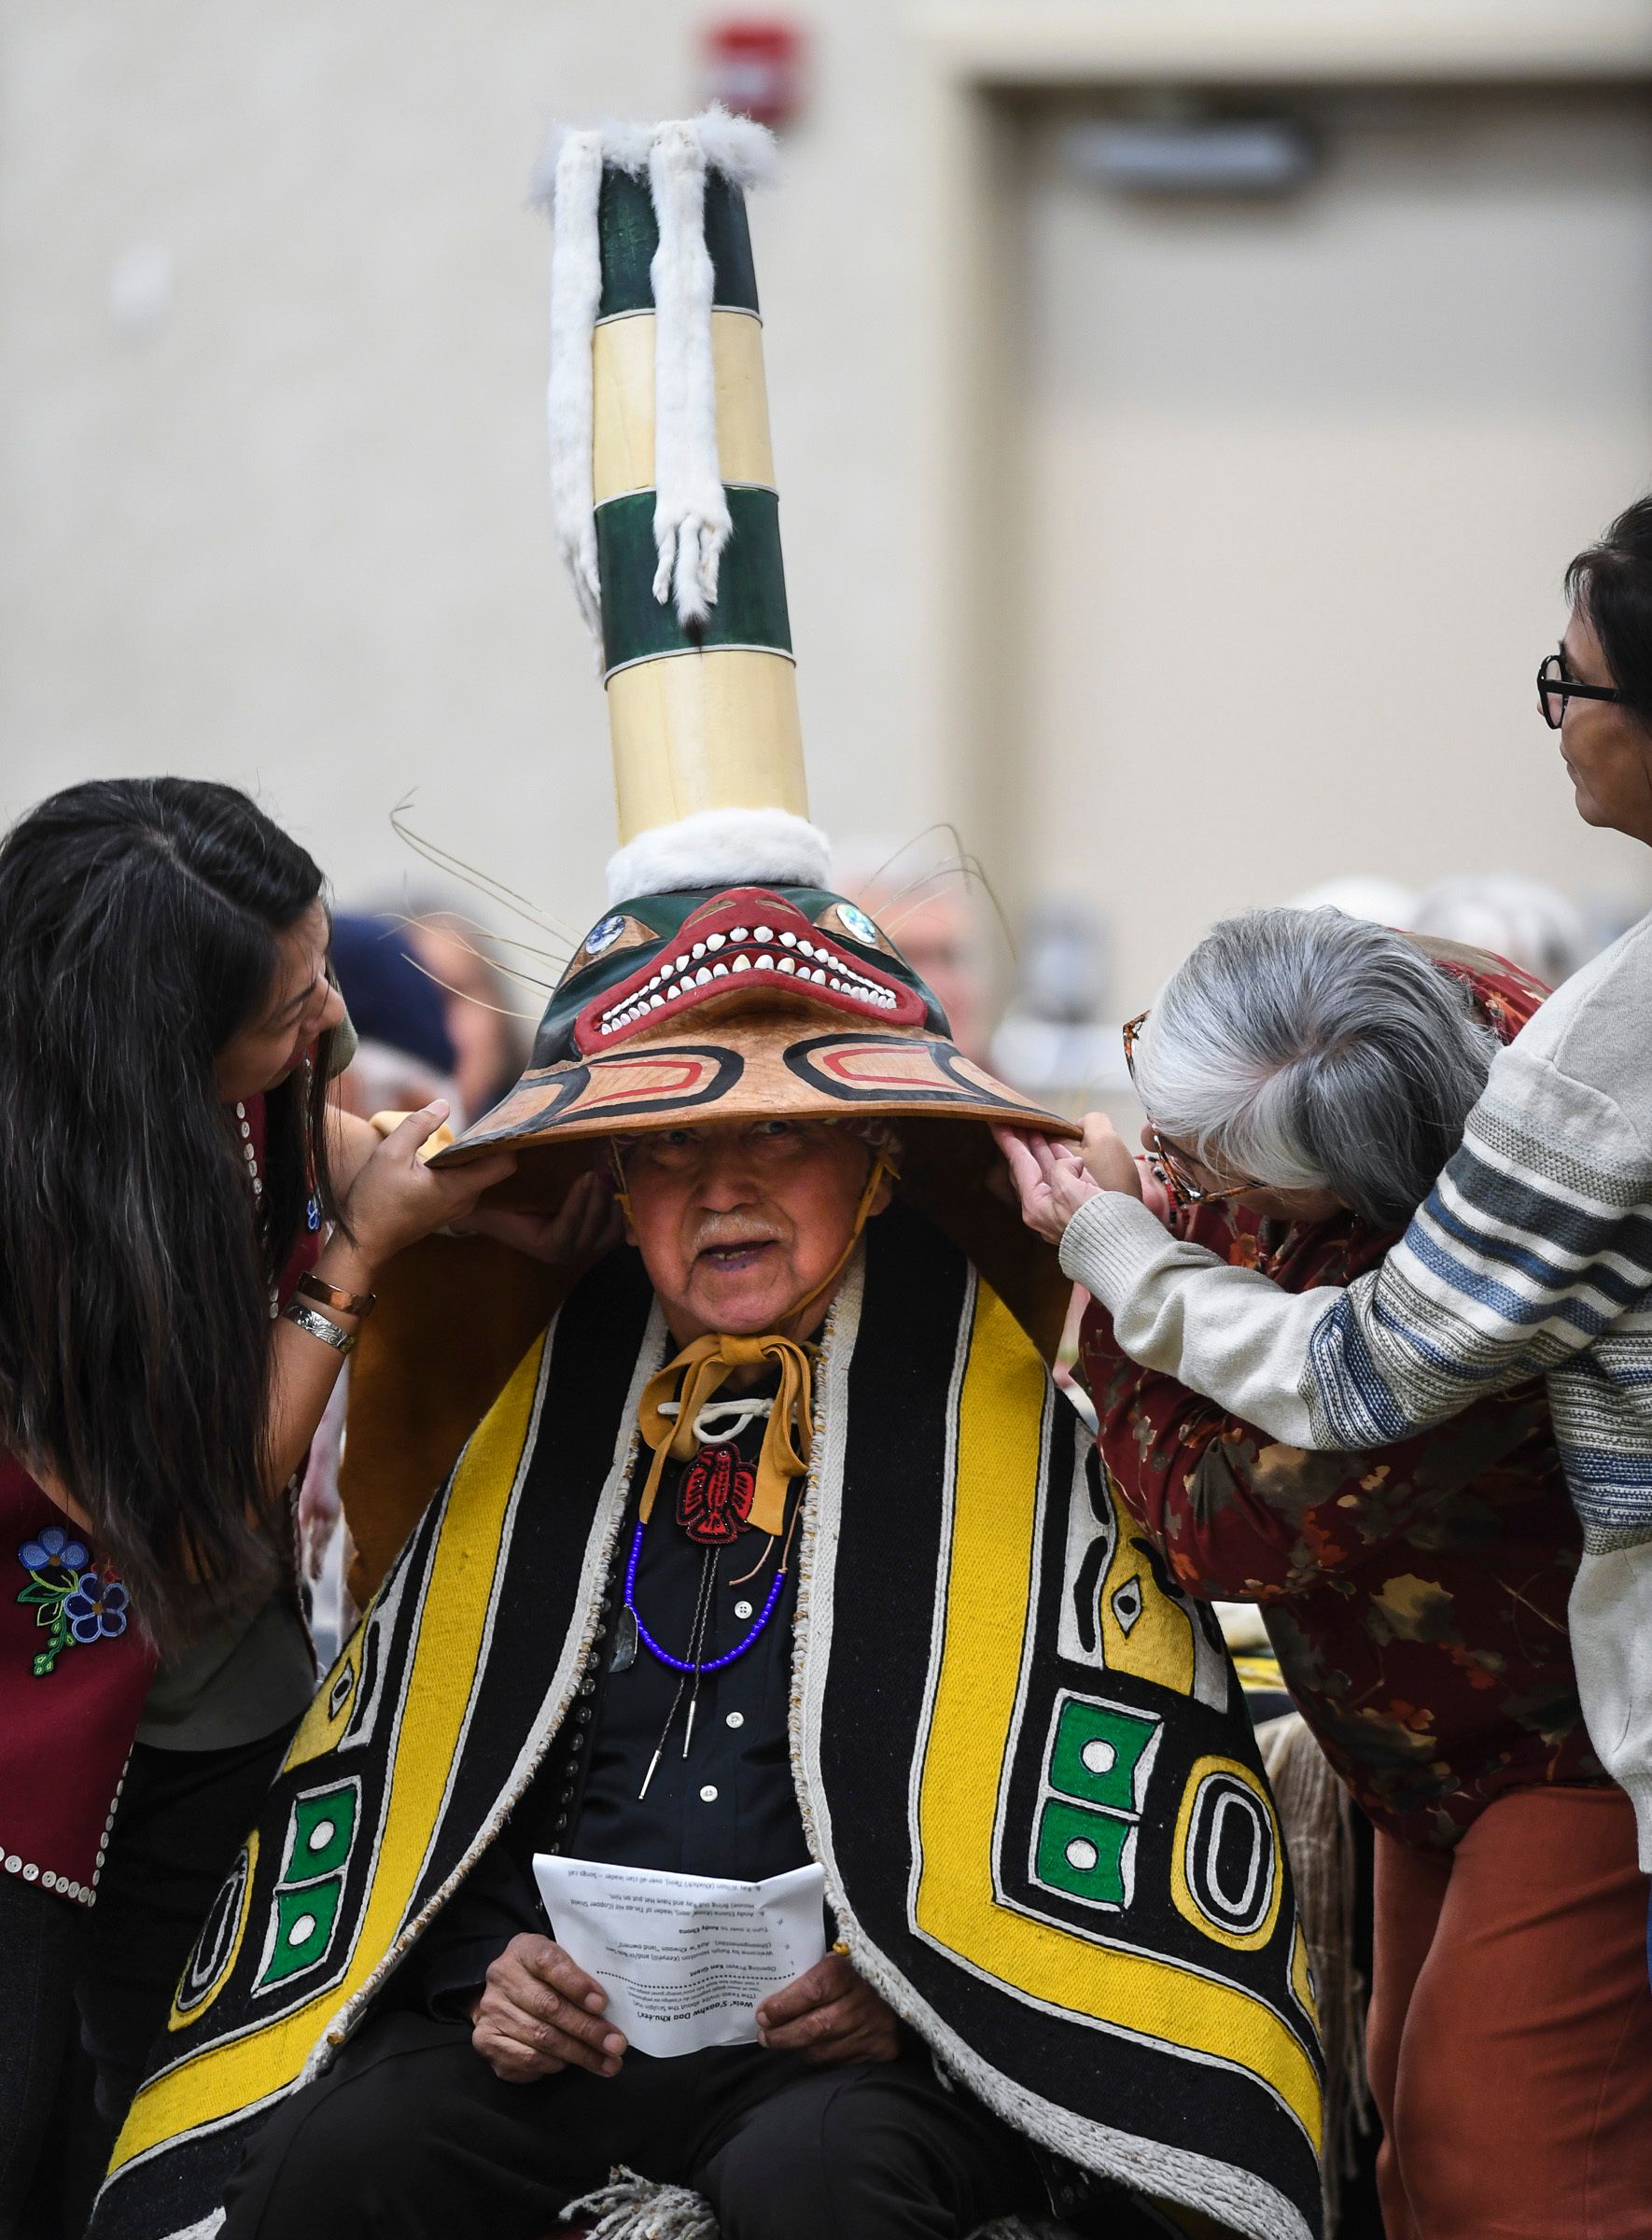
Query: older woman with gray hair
(1305, 1076)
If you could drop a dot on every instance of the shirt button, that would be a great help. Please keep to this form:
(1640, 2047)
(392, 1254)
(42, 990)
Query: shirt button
(742, 1609)
(735, 1718)
(709, 1794)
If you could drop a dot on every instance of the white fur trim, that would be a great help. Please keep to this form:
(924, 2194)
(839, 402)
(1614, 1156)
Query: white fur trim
(576, 291)
(631, 2207)
(738, 146)
(721, 847)
(692, 521)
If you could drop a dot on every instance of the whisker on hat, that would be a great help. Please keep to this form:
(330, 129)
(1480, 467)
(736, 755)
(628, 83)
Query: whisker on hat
(482, 881)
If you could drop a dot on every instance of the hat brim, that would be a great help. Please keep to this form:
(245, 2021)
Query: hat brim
(792, 1060)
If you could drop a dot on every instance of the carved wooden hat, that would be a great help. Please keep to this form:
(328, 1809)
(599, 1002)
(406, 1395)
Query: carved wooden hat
(727, 980)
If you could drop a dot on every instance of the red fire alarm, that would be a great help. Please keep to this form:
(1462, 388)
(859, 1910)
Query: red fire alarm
(753, 65)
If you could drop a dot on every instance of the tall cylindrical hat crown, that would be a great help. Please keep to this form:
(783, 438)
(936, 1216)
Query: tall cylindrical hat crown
(664, 486)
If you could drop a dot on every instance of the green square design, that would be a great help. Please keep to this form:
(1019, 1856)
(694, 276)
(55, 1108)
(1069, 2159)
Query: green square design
(319, 1833)
(1082, 1854)
(304, 1929)
(1116, 1742)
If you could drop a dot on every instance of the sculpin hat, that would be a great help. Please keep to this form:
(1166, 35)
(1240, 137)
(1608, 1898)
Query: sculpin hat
(727, 980)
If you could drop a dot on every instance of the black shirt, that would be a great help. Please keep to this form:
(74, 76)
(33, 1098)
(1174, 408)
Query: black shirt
(729, 1808)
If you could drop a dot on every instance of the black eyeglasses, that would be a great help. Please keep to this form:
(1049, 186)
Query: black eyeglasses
(1555, 688)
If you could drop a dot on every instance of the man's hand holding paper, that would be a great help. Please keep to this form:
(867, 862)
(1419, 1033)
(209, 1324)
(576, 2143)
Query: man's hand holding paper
(539, 2013)
(686, 1960)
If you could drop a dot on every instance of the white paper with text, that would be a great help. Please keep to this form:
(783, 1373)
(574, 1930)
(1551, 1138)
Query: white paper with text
(686, 1959)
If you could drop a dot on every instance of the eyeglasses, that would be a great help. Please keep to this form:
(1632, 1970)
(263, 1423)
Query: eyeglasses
(1169, 1164)
(1555, 688)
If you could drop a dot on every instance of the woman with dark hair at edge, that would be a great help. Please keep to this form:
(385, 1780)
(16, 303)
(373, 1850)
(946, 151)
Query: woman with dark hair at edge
(190, 1234)
(1532, 1255)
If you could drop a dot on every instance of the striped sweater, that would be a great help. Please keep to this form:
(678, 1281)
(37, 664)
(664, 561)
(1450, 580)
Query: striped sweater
(1532, 1255)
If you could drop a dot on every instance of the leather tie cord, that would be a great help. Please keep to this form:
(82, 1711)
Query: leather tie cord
(696, 1377)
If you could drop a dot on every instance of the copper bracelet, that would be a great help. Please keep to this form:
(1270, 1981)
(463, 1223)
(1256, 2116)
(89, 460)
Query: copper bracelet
(359, 1303)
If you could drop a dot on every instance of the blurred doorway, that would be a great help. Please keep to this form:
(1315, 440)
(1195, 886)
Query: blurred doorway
(1298, 477)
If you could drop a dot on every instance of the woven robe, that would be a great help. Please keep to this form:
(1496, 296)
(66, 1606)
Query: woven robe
(1022, 1757)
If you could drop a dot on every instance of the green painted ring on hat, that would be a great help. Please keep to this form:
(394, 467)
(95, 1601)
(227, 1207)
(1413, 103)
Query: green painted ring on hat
(630, 236)
(751, 608)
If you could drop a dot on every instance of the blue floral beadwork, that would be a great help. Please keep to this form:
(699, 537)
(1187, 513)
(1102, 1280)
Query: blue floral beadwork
(70, 1596)
(53, 1550)
(96, 1611)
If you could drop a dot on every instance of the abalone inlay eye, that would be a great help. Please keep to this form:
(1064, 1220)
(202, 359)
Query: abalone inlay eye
(857, 925)
(602, 938)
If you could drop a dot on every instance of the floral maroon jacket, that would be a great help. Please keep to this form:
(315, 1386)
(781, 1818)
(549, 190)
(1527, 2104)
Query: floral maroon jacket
(1415, 1595)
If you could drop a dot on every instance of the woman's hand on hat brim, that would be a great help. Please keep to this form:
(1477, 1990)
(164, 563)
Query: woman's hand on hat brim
(1050, 1180)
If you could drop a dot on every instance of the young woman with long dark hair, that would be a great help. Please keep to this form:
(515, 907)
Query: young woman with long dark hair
(189, 1237)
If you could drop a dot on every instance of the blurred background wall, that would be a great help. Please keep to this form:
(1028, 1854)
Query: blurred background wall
(1185, 549)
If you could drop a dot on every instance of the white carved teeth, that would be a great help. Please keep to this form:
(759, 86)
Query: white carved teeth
(788, 940)
(698, 951)
(788, 964)
(740, 934)
(702, 976)
(714, 941)
(818, 976)
(742, 964)
(656, 1003)
(763, 933)
(668, 968)
(839, 988)
(719, 971)
(765, 964)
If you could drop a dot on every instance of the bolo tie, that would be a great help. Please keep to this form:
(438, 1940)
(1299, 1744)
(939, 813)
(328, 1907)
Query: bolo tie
(715, 1499)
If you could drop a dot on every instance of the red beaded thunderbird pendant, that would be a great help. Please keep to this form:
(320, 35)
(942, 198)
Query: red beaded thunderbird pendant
(714, 1499)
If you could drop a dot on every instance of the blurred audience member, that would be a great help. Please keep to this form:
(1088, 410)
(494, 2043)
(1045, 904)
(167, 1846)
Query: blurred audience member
(1382, 901)
(489, 1041)
(934, 918)
(390, 999)
(1533, 925)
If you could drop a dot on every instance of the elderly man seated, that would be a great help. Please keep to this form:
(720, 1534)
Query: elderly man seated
(778, 1545)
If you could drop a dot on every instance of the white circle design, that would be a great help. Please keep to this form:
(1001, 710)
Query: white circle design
(1099, 1757)
(1081, 1855)
(321, 1835)
(302, 1929)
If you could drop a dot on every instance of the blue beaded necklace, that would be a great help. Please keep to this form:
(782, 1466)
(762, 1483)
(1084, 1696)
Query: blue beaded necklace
(689, 1664)
(691, 1667)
